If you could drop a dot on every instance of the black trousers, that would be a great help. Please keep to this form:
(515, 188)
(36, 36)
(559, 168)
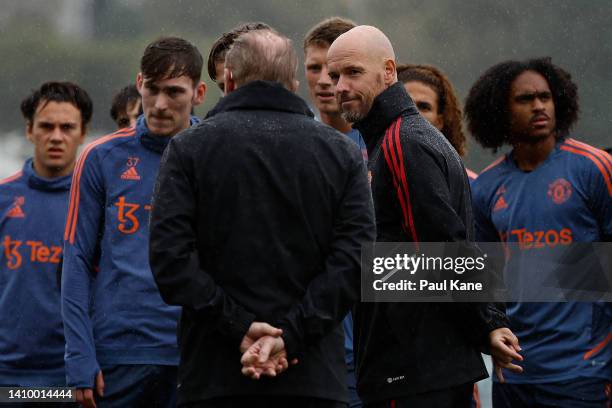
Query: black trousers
(266, 402)
(455, 397)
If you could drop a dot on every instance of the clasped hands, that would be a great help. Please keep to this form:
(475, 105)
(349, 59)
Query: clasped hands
(263, 351)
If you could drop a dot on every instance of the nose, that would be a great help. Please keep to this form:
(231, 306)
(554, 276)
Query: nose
(538, 105)
(324, 78)
(161, 102)
(342, 85)
(56, 134)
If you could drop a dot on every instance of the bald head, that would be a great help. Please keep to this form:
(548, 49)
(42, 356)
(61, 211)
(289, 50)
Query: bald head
(261, 55)
(361, 63)
(368, 41)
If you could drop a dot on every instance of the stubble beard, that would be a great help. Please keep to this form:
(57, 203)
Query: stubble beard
(352, 117)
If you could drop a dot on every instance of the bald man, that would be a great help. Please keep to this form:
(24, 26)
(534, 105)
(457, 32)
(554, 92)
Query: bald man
(411, 354)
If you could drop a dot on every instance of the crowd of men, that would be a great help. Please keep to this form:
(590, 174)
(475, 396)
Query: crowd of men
(216, 262)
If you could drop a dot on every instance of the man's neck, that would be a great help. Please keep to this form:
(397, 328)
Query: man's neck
(528, 156)
(51, 173)
(335, 121)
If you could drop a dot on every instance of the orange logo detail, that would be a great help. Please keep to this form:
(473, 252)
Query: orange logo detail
(131, 173)
(500, 204)
(539, 238)
(39, 252)
(128, 222)
(16, 211)
(11, 252)
(559, 191)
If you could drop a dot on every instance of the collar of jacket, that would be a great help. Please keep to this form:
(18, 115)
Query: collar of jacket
(37, 182)
(153, 142)
(262, 95)
(387, 106)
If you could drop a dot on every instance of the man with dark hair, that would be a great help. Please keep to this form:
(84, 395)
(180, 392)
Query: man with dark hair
(126, 107)
(321, 90)
(411, 354)
(548, 186)
(259, 216)
(120, 335)
(33, 207)
(216, 57)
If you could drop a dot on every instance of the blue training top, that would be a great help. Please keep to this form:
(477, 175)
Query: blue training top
(32, 217)
(567, 198)
(113, 312)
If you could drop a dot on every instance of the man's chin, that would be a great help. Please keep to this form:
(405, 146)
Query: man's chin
(329, 109)
(352, 117)
(161, 131)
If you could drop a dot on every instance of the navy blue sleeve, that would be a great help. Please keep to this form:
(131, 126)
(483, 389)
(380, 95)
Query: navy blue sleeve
(483, 226)
(85, 217)
(600, 197)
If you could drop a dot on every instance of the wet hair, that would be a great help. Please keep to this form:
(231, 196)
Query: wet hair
(122, 100)
(262, 55)
(171, 57)
(325, 33)
(448, 104)
(222, 45)
(486, 107)
(58, 92)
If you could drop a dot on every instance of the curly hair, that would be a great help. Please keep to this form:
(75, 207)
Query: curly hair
(448, 104)
(486, 107)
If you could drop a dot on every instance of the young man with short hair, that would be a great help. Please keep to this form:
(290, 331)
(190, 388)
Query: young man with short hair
(33, 207)
(120, 335)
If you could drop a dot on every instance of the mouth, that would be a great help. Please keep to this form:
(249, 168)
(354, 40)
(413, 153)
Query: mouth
(160, 118)
(539, 121)
(326, 96)
(344, 102)
(55, 152)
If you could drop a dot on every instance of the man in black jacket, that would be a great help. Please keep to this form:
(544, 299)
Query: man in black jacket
(412, 354)
(259, 216)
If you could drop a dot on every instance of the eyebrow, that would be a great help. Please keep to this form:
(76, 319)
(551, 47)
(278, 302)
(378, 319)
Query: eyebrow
(531, 95)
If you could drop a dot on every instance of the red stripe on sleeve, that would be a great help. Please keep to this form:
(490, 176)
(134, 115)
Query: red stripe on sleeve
(75, 193)
(404, 182)
(597, 163)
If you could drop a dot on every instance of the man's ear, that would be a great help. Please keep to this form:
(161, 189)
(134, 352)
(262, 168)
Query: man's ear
(139, 83)
(28, 130)
(295, 85)
(390, 76)
(228, 77)
(200, 93)
(83, 134)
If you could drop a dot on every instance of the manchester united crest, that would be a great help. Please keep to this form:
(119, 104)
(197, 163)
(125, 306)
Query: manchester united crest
(559, 191)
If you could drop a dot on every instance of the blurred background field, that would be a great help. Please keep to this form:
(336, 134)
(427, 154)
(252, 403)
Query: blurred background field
(98, 43)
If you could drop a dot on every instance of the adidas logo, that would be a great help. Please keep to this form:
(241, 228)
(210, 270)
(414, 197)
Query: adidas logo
(16, 211)
(500, 204)
(130, 174)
